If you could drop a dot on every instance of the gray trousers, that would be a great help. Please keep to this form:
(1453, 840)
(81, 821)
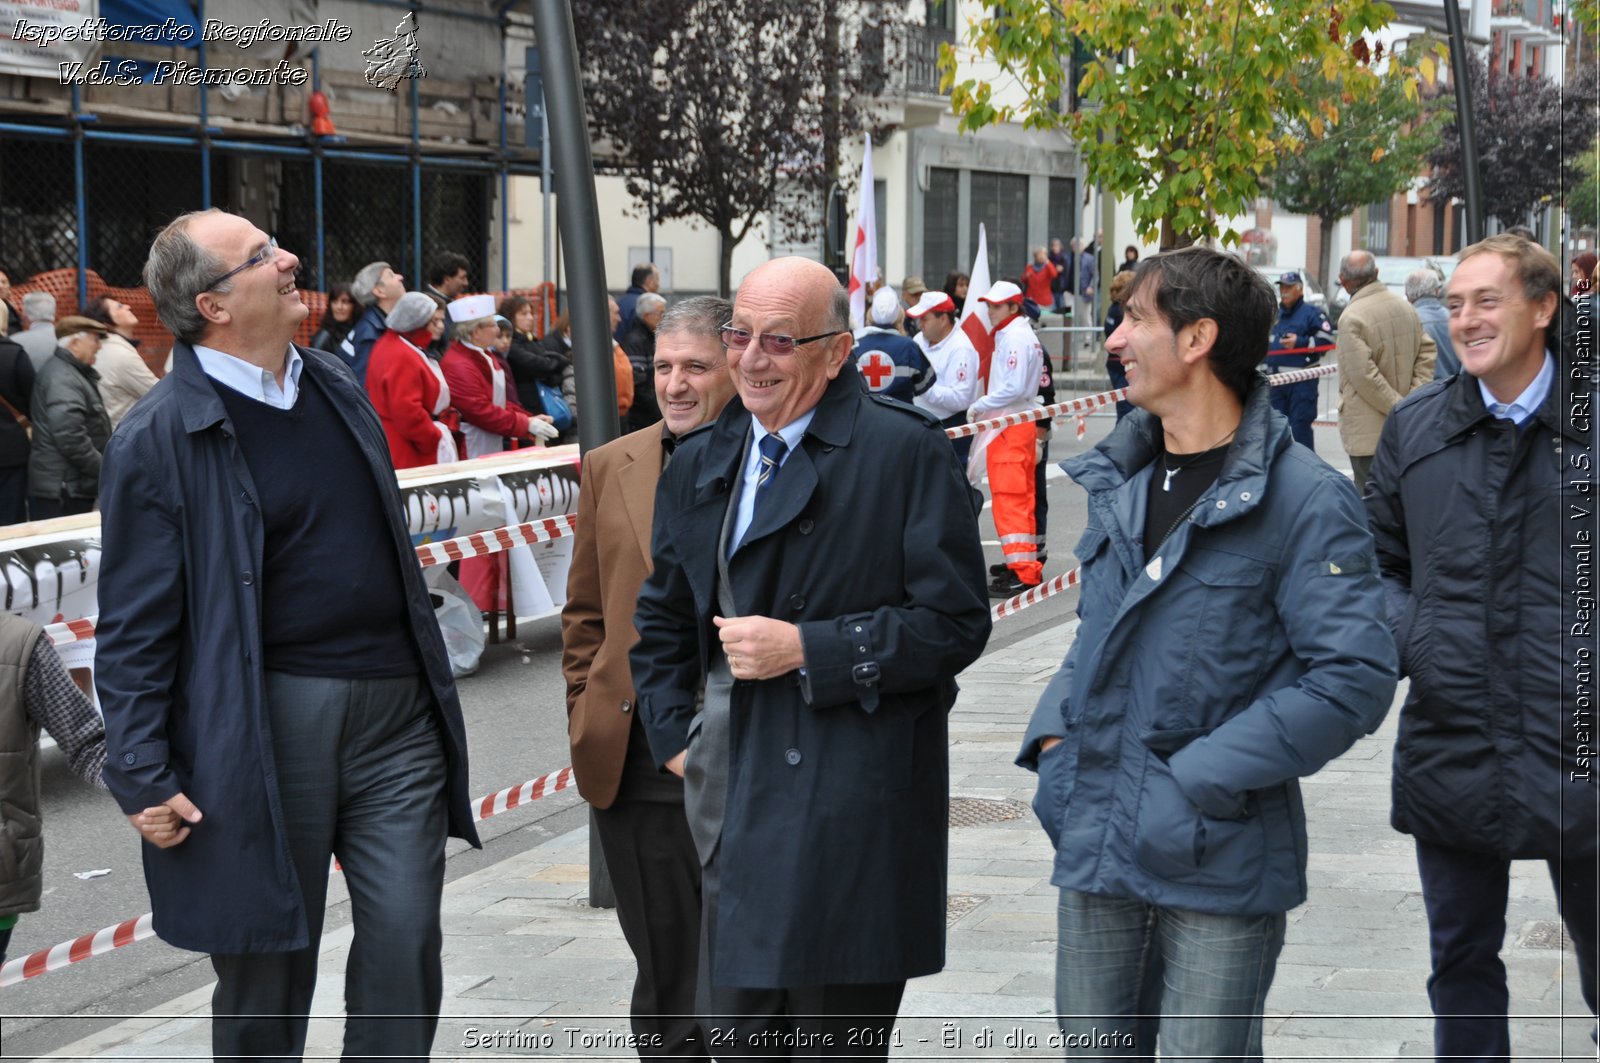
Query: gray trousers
(361, 775)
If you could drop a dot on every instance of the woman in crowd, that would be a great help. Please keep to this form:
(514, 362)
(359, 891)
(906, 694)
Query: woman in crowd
(1120, 283)
(1583, 267)
(955, 286)
(1130, 261)
(124, 376)
(532, 363)
(408, 388)
(481, 384)
(338, 321)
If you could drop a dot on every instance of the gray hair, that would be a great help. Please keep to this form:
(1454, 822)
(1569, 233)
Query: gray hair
(703, 316)
(1359, 267)
(649, 302)
(177, 271)
(366, 280)
(411, 311)
(464, 329)
(1422, 283)
(39, 307)
(838, 319)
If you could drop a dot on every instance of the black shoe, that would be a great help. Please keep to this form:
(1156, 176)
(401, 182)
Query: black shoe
(996, 571)
(1008, 586)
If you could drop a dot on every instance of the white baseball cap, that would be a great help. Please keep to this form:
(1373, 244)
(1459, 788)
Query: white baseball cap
(932, 302)
(472, 307)
(885, 306)
(1002, 292)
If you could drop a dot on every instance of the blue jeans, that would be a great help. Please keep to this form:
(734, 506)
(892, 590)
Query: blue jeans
(1129, 972)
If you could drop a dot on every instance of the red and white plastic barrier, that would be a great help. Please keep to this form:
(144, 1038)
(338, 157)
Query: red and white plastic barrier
(130, 930)
(1034, 595)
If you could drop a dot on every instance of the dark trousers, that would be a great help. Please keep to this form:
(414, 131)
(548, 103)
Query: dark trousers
(964, 444)
(5, 942)
(854, 1021)
(1297, 402)
(45, 508)
(14, 495)
(1041, 501)
(361, 775)
(655, 872)
(1465, 896)
(1360, 469)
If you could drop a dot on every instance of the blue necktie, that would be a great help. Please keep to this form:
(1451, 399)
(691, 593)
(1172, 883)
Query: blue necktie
(772, 449)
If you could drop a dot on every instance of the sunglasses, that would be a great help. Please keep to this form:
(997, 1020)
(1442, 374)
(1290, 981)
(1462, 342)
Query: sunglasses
(737, 339)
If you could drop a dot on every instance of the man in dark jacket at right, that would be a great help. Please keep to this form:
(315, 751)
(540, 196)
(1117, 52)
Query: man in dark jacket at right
(1481, 501)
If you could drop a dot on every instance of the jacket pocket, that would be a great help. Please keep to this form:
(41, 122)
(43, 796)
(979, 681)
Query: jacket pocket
(1175, 841)
(1058, 769)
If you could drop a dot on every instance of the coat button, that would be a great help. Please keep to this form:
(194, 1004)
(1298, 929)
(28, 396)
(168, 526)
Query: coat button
(128, 758)
(249, 579)
(244, 496)
(626, 705)
(1222, 503)
(792, 756)
(797, 602)
(806, 525)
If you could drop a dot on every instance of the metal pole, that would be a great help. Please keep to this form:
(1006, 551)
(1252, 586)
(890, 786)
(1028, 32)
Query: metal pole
(546, 234)
(205, 110)
(505, 185)
(316, 177)
(580, 236)
(416, 187)
(1465, 123)
(81, 196)
(579, 222)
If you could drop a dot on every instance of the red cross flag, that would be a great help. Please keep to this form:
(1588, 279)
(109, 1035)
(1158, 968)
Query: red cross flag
(877, 368)
(974, 315)
(864, 249)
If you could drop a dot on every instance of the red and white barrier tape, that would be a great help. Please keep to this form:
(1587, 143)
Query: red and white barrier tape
(478, 544)
(1034, 595)
(130, 930)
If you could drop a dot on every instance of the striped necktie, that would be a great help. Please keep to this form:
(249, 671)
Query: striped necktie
(772, 449)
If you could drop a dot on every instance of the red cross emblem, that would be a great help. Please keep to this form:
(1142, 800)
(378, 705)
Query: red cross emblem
(961, 374)
(1011, 363)
(878, 368)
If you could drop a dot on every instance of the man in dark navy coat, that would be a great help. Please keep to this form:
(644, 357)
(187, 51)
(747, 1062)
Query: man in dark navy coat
(275, 686)
(818, 572)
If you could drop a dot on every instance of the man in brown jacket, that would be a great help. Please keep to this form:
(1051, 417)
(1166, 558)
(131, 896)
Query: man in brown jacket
(1383, 356)
(639, 815)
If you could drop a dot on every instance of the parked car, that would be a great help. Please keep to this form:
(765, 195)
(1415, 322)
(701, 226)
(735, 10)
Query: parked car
(1392, 273)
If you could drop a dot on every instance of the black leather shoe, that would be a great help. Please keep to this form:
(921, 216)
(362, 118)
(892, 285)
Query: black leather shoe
(996, 571)
(1008, 585)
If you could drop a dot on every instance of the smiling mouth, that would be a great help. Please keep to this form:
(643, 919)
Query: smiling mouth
(287, 289)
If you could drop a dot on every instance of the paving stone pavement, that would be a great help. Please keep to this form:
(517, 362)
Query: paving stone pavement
(532, 971)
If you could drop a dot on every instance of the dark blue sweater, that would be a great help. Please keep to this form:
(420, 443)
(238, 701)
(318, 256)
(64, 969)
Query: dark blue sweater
(331, 598)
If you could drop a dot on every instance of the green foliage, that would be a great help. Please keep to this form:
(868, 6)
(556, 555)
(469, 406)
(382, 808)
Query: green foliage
(1180, 107)
(1583, 201)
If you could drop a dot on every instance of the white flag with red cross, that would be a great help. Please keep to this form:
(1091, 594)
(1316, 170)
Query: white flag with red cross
(975, 315)
(864, 248)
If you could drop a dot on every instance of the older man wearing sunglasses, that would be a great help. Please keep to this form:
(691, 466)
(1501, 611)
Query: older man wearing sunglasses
(818, 572)
(275, 686)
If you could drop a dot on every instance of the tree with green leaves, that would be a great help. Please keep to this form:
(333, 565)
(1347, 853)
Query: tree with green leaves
(1181, 101)
(1374, 150)
(1583, 202)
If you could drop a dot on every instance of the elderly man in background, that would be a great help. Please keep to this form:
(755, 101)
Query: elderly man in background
(124, 376)
(1383, 356)
(639, 344)
(273, 696)
(377, 288)
(1424, 290)
(800, 684)
(639, 812)
(39, 338)
(70, 426)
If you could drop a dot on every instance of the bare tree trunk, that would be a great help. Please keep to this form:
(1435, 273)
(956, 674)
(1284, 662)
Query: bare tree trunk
(725, 245)
(1325, 257)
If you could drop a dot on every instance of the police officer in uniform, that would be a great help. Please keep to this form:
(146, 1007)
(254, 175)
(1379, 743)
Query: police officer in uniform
(1299, 325)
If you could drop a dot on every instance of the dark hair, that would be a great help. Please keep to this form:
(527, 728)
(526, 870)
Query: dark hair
(511, 306)
(1134, 249)
(641, 273)
(447, 264)
(97, 309)
(1197, 282)
(953, 278)
(330, 330)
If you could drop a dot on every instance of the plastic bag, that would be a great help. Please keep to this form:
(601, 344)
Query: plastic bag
(461, 624)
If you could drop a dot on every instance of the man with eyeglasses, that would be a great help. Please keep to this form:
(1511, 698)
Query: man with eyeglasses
(639, 813)
(824, 602)
(275, 687)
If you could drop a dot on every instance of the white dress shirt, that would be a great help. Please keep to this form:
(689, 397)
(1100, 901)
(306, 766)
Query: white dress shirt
(1526, 404)
(250, 380)
(791, 434)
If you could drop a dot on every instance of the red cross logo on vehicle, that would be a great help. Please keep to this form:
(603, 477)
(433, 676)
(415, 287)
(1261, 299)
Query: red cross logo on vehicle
(878, 368)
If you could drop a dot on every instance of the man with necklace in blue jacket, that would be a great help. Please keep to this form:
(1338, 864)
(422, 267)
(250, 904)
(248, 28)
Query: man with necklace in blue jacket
(1232, 641)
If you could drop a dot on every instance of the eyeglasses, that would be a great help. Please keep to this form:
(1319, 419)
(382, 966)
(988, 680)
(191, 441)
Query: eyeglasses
(266, 254)
(737, 339)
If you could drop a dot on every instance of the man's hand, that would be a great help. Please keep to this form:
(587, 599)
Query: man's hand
(167, 824)
(1047, 744)
(1288, 339)
(675, 765)
(759, 647)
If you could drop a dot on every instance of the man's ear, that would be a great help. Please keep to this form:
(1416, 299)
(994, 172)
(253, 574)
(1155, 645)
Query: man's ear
(839, 352)
(212, 309)
(1196, 340)
(1546, 311)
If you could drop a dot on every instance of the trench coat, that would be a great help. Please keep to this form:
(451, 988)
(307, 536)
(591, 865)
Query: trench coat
(179, 666)
(834, 849)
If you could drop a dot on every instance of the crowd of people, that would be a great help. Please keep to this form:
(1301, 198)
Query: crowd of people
(758, 707)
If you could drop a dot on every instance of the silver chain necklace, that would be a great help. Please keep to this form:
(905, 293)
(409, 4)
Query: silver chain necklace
(1170, 471)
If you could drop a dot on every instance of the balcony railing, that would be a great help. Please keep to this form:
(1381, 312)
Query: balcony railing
(922, 58)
